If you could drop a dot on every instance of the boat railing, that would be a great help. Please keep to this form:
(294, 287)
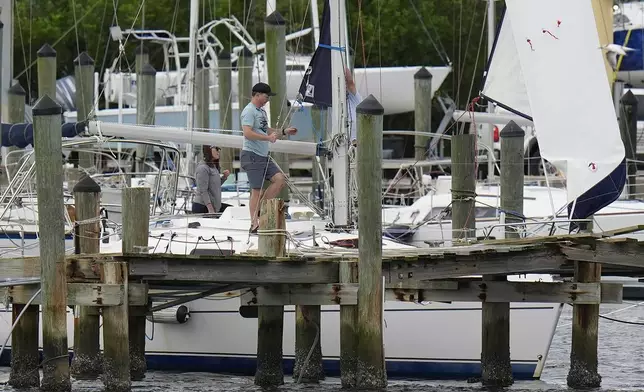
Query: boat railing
(5, 227)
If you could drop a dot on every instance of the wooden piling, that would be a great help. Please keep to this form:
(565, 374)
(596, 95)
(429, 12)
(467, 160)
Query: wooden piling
(244, 77)
(116, 351)
(496, 368)
(308, 366)
(628, 130)
(145, 105)
(371, 356)
(224, 74)
(135, 238)
(141, 57)
(24, 339)
(49, 188)
(270, 320)
(202, 100)
(275, 54)
(16, 98)
(422, 111)
(46, 64)
(583, 371)
(463, 187)
(84, 76)
(348, 331)
(87, 363)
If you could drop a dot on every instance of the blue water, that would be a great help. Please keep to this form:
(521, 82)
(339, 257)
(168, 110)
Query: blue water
(621, 359)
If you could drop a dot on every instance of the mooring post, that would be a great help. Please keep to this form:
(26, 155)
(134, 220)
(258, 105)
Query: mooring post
(422, 111)
(87, 363)
(202, 101)
(136, 224)
(145, 104)
(275, 55)
(463, 188)
(270, 319)
(24, 339)
(308, 331)
(371, 355)
(84, 76)
(116, 350)
(141, 57)
(244, 77)
(628, 130)
(496, 368)
(49, 188)
(46, 65)
(224, 75)
(16, 98)
(583, 371)
(348, 330)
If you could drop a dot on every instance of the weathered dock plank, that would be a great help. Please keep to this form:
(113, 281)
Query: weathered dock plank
(499, 292)
(84, 294)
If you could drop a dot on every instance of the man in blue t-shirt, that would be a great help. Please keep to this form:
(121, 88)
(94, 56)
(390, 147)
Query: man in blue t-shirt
(254, 157)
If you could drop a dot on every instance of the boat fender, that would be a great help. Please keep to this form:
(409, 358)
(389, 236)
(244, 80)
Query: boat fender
(179, 314)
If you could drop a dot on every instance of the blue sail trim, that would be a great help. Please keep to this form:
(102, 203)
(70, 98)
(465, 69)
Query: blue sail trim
(21, 135)
(316, 84)
(604, 193)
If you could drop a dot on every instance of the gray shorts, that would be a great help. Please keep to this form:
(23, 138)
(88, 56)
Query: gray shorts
(257, 168)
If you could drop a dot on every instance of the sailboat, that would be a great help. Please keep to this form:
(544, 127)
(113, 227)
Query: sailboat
(451, 346)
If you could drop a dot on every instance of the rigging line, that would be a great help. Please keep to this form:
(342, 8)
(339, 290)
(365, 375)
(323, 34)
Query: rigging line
(22, 45)
(478, 53)
(69, 30)
(442, 53)
(98, 46)
(460, 44)
(469, 39)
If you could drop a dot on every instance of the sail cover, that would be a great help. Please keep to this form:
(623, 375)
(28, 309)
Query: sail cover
(316, 84)
(21, 135)
(547, 65)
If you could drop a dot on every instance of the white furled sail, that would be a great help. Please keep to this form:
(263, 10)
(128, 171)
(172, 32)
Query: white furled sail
(546, 64)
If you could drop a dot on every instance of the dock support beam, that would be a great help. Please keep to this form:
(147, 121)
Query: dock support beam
(270, 319)
(348, 331)
(84, 76)
(583, 372)
(24, 339)
(422, 112)
(371, 356)
(87, 363)
(49, 188)
(224, 76)
(463, 188)
(496, 368)
(116, 362)
(308, 347)
(136, 223)
(275, 55)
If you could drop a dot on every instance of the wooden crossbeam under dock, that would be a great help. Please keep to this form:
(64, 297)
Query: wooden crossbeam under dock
(85, 294)
(432, 274)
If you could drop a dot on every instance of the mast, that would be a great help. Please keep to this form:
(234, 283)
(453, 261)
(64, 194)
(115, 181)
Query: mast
(491, 33)
(190, 93)
(340, 164)
(315, 22)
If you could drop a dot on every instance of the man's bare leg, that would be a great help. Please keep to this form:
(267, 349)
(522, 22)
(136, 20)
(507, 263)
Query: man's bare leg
(255, 195)
(277, 183)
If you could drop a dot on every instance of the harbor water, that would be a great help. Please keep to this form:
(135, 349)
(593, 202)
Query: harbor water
(621, 365)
